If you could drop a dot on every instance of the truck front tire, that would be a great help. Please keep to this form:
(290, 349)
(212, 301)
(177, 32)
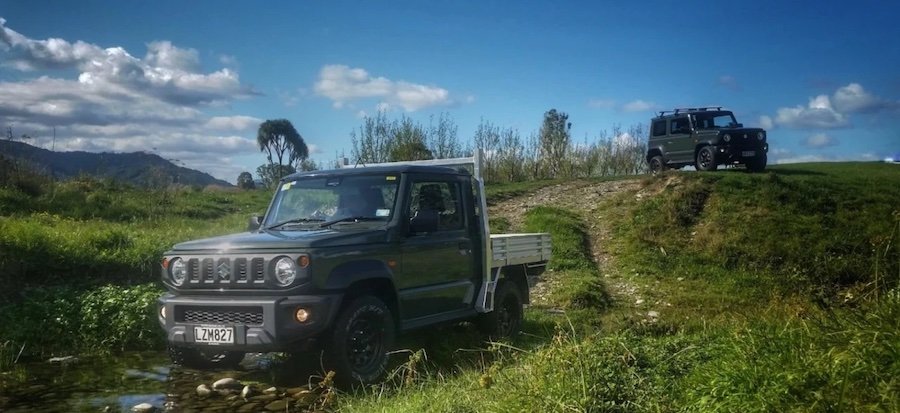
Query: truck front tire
(506, 318)
(657, 165)
(706, 159)
(205, 360)
(360, 341)
(757, 164)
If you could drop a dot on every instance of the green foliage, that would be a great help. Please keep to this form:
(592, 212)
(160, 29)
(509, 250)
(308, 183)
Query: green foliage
(838, 361)
(281, 142)
(64, 320)
(812, 230)
(245, 181)
(555, 137)
(381, 140)
(270, 174)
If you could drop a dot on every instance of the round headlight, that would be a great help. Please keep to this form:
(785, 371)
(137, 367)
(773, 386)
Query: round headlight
(760, 135)
(727, 138)
(285, 271)
(177, 271)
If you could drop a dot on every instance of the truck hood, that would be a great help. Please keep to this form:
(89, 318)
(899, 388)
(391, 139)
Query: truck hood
(278, 240)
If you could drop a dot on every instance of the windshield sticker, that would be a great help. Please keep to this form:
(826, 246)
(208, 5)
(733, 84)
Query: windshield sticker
(382, 212)
(287, 186)
(390, 178)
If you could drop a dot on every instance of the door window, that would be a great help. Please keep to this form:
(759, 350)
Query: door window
(659, 128)
(441, 197)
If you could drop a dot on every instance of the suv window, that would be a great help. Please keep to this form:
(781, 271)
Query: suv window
(659, 128)
(441, 197)
(680, 125)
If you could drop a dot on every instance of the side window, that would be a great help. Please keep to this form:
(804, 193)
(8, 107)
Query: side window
(680, 125)
(659, 128)
(440, 197)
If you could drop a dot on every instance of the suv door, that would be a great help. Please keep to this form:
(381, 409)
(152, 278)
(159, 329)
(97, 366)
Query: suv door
(680, 142)
(437, 265)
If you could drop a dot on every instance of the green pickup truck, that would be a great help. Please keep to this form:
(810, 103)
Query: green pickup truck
(342, 261)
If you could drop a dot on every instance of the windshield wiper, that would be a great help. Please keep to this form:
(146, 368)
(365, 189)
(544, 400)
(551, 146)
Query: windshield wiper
(347, 219)
(295, 221)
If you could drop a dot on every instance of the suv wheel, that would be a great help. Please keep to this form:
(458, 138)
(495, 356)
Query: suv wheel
(706, 159)
(506, 319)
(362, 336)
(205, 360)
(757, 164)
(657, 165)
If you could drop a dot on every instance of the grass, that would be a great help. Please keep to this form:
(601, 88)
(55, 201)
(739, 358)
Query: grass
(774, 292)
(76, 255)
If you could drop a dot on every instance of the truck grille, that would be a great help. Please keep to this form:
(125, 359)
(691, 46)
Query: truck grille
(226, 271)
(246, 316)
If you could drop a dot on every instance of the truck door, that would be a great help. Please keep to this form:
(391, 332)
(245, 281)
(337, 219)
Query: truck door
(437, 264)
(681, 143)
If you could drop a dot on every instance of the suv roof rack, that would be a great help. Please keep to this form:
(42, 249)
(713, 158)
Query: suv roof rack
(680, 110)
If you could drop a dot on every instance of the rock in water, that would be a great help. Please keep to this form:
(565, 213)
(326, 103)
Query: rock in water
(226, 383)
(203, 390)
(270, 390)
(143, 408)
(278, 405)
(246, 392)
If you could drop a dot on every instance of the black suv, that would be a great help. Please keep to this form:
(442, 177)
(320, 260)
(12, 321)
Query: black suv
(705, 138)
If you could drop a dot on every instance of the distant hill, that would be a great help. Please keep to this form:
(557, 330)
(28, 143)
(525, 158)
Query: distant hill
(136, 168)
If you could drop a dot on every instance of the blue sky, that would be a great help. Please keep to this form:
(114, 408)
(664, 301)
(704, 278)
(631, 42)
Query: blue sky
(192, 80)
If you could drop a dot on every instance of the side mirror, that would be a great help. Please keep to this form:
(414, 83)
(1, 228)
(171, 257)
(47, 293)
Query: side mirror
(426, 220)
(254, 223)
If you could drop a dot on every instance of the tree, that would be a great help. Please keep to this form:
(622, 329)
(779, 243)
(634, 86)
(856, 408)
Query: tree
(270, 173)
(408, 142)
(282, 144)
(554, 137)
(245, 181)
(442, 138)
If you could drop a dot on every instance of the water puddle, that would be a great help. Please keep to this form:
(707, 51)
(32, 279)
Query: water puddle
(118, 383)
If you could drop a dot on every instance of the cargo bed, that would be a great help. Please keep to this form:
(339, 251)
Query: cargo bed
(517, 249)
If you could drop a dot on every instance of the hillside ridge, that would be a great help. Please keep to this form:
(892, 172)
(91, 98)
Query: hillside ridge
(138, 168)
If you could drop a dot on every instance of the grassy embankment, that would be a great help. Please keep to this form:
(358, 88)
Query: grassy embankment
(79, 259)
(773, 292)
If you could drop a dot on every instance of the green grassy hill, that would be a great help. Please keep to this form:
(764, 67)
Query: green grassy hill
(722, 291)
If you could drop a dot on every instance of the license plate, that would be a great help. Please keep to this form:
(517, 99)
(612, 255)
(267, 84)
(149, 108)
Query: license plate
(748, 153)
(214, 335)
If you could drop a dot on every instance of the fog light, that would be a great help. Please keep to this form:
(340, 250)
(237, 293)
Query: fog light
(301, 315)
(162, 312)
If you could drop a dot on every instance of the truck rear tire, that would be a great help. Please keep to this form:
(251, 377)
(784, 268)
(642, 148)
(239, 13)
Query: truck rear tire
(506, 318)
(205, 360)
(358, 348)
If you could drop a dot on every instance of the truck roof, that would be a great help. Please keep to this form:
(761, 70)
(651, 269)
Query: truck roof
(445, 170)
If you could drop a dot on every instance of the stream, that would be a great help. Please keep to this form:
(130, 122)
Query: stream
(117, 383)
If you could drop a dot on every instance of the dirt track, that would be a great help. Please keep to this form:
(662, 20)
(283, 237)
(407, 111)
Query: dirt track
(583, 198)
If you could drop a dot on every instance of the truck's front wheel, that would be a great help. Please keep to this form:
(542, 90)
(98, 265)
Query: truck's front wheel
(506, 318)
(199, 359)
(362, 336)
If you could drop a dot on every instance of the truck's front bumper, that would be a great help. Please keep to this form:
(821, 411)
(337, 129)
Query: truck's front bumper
(260, 324)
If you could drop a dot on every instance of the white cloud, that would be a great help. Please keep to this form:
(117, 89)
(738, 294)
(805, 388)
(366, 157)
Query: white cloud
(314, 149)
(233, 123)
(803, 158)
(817, 114)
(728, 82)
(601, 103)
(820, 140)
(120, 103)
(854, 99)
(765, 122)
(827, 112)
(638, 106)
(344, 84)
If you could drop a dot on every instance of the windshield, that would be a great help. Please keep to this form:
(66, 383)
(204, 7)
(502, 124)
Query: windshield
(309, 202)
(714, 120)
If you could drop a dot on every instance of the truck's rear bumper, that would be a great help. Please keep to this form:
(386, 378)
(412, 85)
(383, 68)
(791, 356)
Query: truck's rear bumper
(260, 324)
